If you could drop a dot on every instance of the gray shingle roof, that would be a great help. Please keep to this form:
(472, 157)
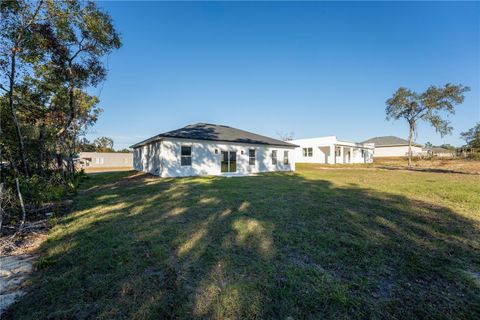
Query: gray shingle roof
(388, 141)
(213, 132)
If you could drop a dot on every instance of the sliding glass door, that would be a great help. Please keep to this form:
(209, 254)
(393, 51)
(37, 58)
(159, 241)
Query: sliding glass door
(229, 161)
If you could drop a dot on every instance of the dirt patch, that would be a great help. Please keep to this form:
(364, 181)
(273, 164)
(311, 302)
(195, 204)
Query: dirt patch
(13, 274)
(458, 166)
(435, 165)
(107, 169)
(16, 264)
(343, 167)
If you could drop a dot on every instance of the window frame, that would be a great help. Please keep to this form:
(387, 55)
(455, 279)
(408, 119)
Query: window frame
(307, 152)
(274, 157)
(252, 159)
(185, 157)
(285, 157)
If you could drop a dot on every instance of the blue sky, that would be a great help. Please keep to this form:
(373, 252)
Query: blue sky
(314, 68)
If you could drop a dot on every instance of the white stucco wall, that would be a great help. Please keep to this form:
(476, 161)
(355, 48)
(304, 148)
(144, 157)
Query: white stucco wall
(105, 159)
(164, 158)
(320, 149)
(137, 159)
(395, 151)
(324, 151)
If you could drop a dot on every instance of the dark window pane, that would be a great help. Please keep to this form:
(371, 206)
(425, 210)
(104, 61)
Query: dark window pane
(233, 161)
(186, 161)
(251, 155)
(186, 151)
(224, 162)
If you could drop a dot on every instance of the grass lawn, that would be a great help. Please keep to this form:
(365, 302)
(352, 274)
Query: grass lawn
(337, 242)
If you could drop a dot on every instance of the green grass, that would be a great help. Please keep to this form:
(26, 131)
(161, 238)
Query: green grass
(321, 243)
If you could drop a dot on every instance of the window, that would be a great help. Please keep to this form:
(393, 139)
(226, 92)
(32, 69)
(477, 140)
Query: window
(229, 161)
(186, 156)
(97, 160)
(307, 152)
(274, 157)
(101, 160)
(251, 157)
(285, 157)
(338, 151)
(363, 153)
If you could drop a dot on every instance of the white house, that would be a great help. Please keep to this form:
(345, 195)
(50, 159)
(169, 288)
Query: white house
(390, 146)
(105, 159)
(330, 150)
(209, 149)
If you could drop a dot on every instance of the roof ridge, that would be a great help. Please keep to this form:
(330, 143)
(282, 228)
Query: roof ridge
(215, 132)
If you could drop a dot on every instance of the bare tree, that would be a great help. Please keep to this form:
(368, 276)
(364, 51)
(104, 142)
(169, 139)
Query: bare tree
(285, 136)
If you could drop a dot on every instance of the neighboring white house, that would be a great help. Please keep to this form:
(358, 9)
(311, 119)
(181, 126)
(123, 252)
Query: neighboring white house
(390, 146)
(209, 149)
(330, 150)
(105, 159)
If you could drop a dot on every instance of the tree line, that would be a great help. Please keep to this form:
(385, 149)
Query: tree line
(51, 53)
(101, 144)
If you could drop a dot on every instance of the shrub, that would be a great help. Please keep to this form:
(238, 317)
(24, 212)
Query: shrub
(474, 156)
(39, 194)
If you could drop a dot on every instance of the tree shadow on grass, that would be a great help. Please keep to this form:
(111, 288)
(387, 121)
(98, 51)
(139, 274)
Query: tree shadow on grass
(273, 246)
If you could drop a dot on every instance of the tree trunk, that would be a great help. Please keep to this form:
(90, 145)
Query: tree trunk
(41, 150)
(1, 207)
(1, 172)
(22, 205)
(410, 146)
(71, 102)
(59, 157)
(14, 115)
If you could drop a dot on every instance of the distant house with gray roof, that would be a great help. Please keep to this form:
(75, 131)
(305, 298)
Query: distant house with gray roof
(392, 147)
(210, 149)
